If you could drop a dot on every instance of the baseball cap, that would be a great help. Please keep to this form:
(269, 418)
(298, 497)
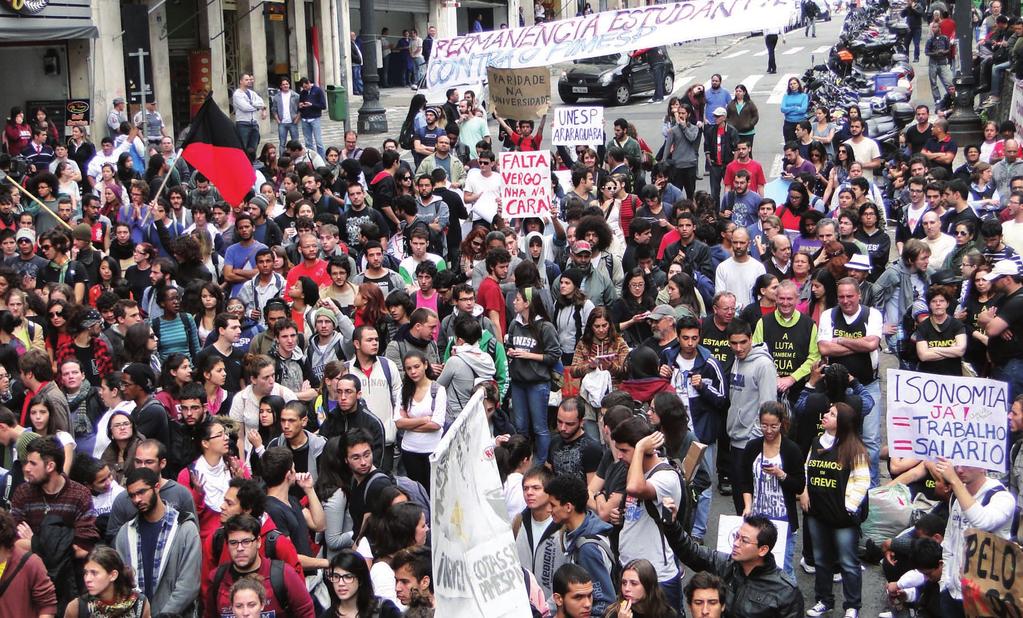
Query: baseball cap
(720, 112)
(82, 231)
(661, 311)
(1004, 268)
(581, 246)
(91, 318)
(118, 100)
(858, 261)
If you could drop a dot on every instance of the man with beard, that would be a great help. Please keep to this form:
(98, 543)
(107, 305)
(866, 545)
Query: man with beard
(240, 258)
(311, 265)
(595, 282)
(358, 212)
(285, 589)
(186, 431)
(572, 452)
(739, 272)
(153, 455)
(433, 211)
(386, 279)
(312, 190)
(441, 158)
(162, 545)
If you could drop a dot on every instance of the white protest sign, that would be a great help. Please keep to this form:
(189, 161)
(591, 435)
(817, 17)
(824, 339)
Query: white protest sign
(578, 125)
(476, 570)
(961, 419)
(525, 184)
(728, 530)
(464, 59)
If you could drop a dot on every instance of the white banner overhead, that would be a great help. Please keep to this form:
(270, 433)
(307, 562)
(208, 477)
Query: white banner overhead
(476, 570)
(464, 59)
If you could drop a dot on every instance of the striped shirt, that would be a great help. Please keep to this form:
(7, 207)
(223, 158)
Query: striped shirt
(174, 337)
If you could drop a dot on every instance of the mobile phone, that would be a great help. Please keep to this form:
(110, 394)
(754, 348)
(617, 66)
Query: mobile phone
(766, 464)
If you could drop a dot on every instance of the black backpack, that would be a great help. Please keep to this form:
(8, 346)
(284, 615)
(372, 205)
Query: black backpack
(604, 546)
(276, 584)
(686, 510)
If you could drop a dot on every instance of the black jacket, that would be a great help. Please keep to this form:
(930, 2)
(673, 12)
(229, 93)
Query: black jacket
(338, 423)
(697, 256)
(767, 592)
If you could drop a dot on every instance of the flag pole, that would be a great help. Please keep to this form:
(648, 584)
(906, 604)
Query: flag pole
(163, 184)
(8, 178)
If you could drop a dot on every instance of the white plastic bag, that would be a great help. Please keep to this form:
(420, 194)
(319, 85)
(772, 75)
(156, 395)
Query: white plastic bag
(891, 510)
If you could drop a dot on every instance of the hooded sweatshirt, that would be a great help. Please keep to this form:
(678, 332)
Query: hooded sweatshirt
(320, 355)
(494, 349)
(466, 364)
(522, 338)
(549, 271)
(752, 382)
(591, 557)
(288, 371)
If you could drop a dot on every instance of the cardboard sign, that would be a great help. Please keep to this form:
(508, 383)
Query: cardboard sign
(728, 530)
(476, 569)
(1016, 105)
(520, 93)
(526, 184)
(464, 59)
(578, 125)
(961, 419)
(990, 586)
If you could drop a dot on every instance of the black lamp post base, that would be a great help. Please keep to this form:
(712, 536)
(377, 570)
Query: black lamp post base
(372, 121)
(964, 123)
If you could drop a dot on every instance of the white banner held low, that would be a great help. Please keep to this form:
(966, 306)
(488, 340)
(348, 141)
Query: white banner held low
(464, 59)
(476, 569)
(526, 184)
(578, 125)
(961, 419)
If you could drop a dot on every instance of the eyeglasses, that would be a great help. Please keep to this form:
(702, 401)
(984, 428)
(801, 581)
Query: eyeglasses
(243, 543)
(340, 577)
(486, 162)
(45, 247)
(120, 425)
(56, 314)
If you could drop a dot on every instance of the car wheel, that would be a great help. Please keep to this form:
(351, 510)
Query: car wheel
(669, 84)
(622, 95)
(569, 98)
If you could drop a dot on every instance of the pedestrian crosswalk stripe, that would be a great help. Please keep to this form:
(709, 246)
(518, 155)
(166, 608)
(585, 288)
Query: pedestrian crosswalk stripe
(822, 49)
(741, 52)
(779, 89)
(794, 50)
(761, 53)
(750, 81)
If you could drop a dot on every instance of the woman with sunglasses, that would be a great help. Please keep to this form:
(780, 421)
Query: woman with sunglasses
(140, 346)
(966, 240)
(473, 251)
(58, 334)
(839, 174)
(351, 590)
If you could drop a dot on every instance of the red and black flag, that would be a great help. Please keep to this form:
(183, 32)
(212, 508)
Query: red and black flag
(214, 148)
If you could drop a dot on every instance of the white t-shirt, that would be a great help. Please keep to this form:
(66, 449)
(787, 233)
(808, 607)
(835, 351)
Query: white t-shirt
(435, 408)
(1012, 234)
(476, 182)
(739, 279)
(640, 536)
(513, 498)
(866, 151)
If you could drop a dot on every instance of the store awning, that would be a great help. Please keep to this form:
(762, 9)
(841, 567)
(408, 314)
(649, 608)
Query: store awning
(46, 20)
(395, 6)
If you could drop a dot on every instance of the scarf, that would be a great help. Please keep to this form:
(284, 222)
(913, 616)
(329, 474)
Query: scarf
(120, 251)
(80, 423)
(130, 607)
(215, 480)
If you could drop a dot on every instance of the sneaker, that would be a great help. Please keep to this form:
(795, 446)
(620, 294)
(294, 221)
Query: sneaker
(837, 577)
(806, 567)
(852, 612)
(725, 488)
(885, 615)
(820, 609)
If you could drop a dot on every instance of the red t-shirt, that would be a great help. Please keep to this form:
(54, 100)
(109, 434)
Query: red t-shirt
(318, 273)
(756, 174)
(527, 144)
(300, 604)
(491, 299)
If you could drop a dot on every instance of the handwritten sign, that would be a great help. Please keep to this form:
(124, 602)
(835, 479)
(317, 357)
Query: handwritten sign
(990, 586)
(728, 531)
(578, 125)
(464, 59)
(961, 419)
(476, 570)
(526, 184)
(520, 93)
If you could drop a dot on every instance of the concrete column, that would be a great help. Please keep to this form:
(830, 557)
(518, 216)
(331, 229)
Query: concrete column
(326, 19)
(444, 18)
(297, 40)
(252, 49)
(343, 19)
(107, 59)
(161, 58)
(218, 53)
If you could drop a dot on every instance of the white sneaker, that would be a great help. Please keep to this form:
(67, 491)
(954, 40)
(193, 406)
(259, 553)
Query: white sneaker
(852, 613)
(806, 567)
(885, 615)
(837, 577)
(820, 609)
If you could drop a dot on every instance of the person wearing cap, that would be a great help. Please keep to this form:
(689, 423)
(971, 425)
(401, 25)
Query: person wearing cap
(87, 346)
(89, 258)
(61, 268)
(859, 269)
(595, 282)
(116, 116)
(1001, 326)
(719, 142)
(151, 419)
(26, 263)
(266, 230)
(424, 139)
(664, 339)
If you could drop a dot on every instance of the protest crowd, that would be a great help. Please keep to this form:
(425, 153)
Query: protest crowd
(216, 407)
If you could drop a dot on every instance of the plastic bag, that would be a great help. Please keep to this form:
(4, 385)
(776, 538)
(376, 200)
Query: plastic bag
(891, 510)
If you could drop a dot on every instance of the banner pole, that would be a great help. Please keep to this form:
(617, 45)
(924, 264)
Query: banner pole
(35, 199)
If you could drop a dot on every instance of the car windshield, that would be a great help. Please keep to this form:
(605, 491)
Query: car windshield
(609, 59)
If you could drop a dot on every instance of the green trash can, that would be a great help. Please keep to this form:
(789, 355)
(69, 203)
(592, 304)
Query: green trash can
(337, 102)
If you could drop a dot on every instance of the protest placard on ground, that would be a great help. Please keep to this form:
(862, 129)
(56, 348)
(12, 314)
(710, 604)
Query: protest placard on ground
(526, 184)
(990, 586)
(464, 59)
(476, 569)
(520, 93)
(728, 530)
(578, 124)
(961, 419)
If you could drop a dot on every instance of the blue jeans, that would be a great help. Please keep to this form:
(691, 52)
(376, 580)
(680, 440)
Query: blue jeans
(833, 549)
(1011, 372)
(709, 463)
(872, 430)
(914, 37)
(997, 74)
(286, 132)
(790, 551)
(672, 589)
(529, 408)
(356, 79)
(249, 132)
(313, 132)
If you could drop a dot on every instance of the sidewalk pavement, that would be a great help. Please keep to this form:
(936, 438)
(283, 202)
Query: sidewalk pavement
(395, 101)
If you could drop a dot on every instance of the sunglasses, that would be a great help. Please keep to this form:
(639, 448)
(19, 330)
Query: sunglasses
(56, 314)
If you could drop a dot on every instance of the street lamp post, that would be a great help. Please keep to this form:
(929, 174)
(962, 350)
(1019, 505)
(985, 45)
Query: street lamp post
(372, 118)
(964, 123)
